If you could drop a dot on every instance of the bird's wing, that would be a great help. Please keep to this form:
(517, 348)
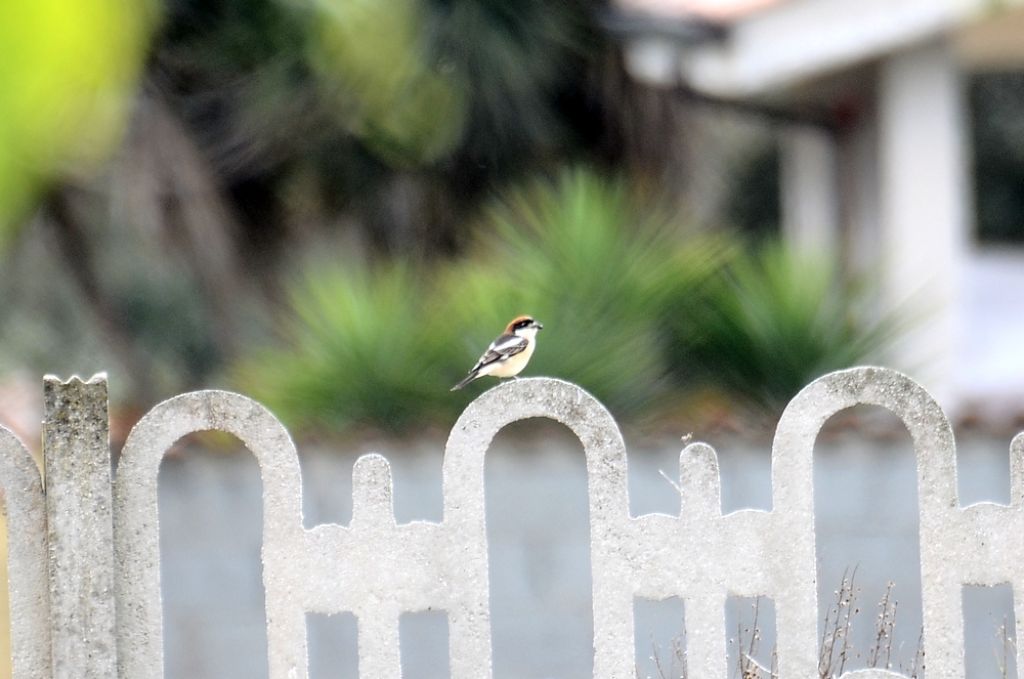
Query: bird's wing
(501, 349)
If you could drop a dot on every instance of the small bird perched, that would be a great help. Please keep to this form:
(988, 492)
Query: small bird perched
(509, 353)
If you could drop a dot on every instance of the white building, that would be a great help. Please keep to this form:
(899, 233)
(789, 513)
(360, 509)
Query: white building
(888, 184)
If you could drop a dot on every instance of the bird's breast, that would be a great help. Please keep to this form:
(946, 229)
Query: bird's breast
(513, 365)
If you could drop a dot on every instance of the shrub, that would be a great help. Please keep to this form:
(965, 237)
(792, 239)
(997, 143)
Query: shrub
(775, 321)
(382, 347)
(610, 276)
(361, 348)
(597, 265)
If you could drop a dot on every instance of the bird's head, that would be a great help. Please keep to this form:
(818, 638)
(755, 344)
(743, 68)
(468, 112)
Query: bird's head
(524, 326)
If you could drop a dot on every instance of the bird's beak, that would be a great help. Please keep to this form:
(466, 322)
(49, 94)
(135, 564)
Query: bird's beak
(539, 326)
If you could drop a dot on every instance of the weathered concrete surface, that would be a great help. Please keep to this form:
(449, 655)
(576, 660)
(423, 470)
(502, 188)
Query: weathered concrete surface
(537, 527)
(136, 528)
(79, 528)
(377, 568)
(24, 507)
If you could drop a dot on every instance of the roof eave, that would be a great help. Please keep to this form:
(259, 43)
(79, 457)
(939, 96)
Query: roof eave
(750, 60)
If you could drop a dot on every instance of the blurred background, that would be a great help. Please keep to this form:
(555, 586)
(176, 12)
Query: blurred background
(333, 205)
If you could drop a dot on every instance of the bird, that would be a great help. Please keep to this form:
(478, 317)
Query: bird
(509, 353)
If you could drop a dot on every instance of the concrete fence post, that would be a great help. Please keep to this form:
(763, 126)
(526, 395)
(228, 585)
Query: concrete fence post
(79, 528)
(24, 507)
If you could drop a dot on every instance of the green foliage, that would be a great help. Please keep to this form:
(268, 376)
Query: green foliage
(66, 78)
(403, 106)
(776, 321)
(419, 80)
(597, 266)
(609, 274)
(512, 108)
(361, 349)
(382, 347)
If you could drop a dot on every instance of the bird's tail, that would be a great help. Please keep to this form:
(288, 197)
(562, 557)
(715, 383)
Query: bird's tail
(466, 380)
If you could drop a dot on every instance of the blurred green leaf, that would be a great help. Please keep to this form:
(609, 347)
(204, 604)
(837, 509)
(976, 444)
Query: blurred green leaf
(360, 349)
(513, 61)
(382, 346)
(404, 106)
(776, 321)
(609, 273)
(66, 79)
(597, 266)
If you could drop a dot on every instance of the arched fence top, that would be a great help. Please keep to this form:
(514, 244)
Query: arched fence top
(807, 412)
(136, 523)
(211, 410)
(521, 399)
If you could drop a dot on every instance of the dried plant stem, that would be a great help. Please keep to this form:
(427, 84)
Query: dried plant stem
(1006, 650)
(881, 649)
(676, 668)
(917, 664)
(834, 648)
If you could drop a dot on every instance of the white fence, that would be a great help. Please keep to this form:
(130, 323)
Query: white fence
(84, 560)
